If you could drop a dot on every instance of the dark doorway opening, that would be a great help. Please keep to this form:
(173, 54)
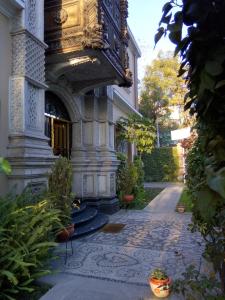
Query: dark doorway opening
(58, 126)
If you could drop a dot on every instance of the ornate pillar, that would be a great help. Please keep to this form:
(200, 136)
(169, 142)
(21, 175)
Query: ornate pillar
(95, 166)
(28, 149)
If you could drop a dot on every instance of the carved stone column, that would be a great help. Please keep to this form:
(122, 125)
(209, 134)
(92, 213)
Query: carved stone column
(28, 149)
(95, 166)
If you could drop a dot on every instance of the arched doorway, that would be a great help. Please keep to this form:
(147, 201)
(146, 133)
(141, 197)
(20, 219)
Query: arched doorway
(58, 126)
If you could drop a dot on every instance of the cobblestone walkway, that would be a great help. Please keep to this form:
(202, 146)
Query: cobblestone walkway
(149, 239)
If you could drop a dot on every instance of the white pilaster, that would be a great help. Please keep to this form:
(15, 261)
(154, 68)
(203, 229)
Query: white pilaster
(28, 150)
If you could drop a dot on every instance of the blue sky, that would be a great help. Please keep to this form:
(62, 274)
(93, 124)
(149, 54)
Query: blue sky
(144, 16)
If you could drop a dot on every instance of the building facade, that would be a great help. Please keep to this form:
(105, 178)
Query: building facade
(61, 65)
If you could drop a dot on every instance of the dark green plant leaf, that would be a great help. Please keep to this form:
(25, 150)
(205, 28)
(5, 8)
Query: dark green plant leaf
(167, 8)
(182, 46)
(11, 277)
(206, 200)
(214, 68)
(220, 84)
(216, 181)
(159, 34)
(5, 166)
(175, 37)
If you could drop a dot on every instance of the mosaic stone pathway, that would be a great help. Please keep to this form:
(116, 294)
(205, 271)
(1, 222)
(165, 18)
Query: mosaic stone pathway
(147, 241)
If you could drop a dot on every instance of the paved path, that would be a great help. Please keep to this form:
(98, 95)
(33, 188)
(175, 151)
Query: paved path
(166, 201)
(162, 185)
(109, 266)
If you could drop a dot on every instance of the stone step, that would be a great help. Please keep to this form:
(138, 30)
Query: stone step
(97, 222)
(85, 216)
(77, 211)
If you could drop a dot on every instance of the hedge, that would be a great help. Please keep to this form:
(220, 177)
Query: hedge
(163, 164)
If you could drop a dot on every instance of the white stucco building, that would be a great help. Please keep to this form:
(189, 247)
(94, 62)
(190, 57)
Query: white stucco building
(60, 94)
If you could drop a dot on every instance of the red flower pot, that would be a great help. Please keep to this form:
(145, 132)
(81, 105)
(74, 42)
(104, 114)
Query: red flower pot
(65, 234)
(128, 198)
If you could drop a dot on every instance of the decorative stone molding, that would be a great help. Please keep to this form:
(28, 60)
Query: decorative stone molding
(10, 8)
(60, 16)
(28, 57)
(16, 104)
(112, 184)
(88, 185)
(93, 31)
(32, 107)
(102, 185)
(32, 16)
(101, 26)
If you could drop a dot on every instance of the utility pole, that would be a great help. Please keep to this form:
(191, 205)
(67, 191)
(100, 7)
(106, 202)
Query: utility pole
(157, 130)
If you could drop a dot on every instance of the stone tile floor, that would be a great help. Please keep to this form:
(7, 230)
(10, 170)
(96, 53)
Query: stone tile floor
(147, 241)
(156, 237)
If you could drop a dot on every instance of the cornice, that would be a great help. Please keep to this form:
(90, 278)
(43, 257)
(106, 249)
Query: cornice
(9, 7)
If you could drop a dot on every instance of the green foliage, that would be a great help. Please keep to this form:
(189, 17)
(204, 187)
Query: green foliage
(195, 286)
(143, 197)
(128, 178)
(123, 161)
(159, 274)
(186, 200)
(138, 163)
(195, 160)
(60, 188)
(202, 52)
(4, 166)
(162, 88)
(138, 130)
(26, 238)
(161, 165)
(206, 185)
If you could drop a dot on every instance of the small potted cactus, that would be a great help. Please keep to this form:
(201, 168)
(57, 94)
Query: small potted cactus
(160, 283)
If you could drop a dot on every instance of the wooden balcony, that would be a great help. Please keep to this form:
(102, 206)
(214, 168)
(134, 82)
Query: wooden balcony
(88, 41)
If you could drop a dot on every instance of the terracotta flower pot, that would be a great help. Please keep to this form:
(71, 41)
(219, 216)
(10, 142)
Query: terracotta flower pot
(181, 208)
(65, 234)
(70, 229)
(128, 198)
(160, 288)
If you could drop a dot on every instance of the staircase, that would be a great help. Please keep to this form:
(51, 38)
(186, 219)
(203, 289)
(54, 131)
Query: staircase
(87, 219)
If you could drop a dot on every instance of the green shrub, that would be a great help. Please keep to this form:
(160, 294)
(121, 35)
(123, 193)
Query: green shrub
(128, 179)
(162, 164)
(26, 237)
(196, 176)
(140, 170)
(60, 188)
(143, 197)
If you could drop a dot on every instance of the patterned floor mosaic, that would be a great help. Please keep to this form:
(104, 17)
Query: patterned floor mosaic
(147, 241)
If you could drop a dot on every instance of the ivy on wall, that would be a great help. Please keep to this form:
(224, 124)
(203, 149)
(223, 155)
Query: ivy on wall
(163, 164)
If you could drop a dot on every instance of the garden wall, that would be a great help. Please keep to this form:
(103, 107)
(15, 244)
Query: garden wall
(164, 164)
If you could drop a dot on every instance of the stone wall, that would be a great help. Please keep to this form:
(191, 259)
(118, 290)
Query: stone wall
(5, 68)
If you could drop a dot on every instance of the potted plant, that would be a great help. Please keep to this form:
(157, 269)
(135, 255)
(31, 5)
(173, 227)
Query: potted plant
(180, 208)
(127, 182)
(60, 195)
(160, 283)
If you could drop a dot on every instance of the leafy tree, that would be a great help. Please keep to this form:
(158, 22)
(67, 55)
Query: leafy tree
(138, 130)
(202, 53)
(162, 88)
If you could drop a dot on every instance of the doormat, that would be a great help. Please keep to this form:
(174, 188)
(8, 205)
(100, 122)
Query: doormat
(112, 228)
